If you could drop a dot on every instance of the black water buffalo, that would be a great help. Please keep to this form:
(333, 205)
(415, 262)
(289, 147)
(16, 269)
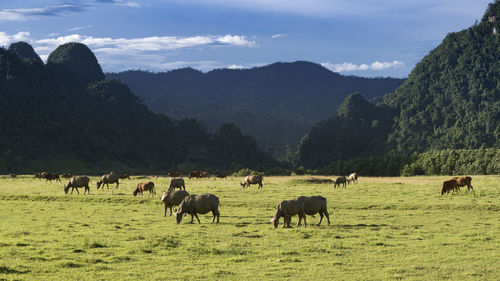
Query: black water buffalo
(77, 182)
(173, 198)
(314, 205)
(287, 209)
(107, 179)
(252, 179)
(198, 204)
(340, 180)
(177, 183)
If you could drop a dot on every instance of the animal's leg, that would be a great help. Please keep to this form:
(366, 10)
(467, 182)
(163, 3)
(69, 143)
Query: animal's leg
(327, 216)
(196, 215)
(305, 223)
(77, 191)
(192, 217)
(260, 185)
(300, 219)
(170, 210)
(320, 217)
(117, 183)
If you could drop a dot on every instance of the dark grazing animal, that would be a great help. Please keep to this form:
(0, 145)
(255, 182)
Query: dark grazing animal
(198, 204)
(464, 181)
(51, 177)
(107, 179)
(205, 174)
(287, 209)
(353, 177)
(177, 183)
(194, 174)
(252, 179)
(124, 176)
(449, 185)
(67, 175)
(40, 176)
(221, 176)
(141, 187)
(314, 205)
(173, 198)
(340, 180)
(175, 174)
(77, 182)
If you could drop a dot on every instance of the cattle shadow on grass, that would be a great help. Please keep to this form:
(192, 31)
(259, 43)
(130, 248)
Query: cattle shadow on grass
(360, 225)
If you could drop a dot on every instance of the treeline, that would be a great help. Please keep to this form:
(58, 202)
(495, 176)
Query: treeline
(485, 161)
(64, 117)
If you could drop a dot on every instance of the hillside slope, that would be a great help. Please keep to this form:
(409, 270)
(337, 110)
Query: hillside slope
(277, 103)
(451, 100)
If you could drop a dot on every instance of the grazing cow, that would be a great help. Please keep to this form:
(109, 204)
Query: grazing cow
(175, 174)
(314, 205)
(40, 176)
(221, 176)
(67, 175)
(173, 198)
(177, 183)
(194, 174)
(287, 209)
(464, 181)
(205, 174)
(198, 204)
(141, 187)
(107, 179)
(77, 182)
(352, 177)
(51, 177)
(340, 180)
(124, 176)
(252, 179)
(449, 185)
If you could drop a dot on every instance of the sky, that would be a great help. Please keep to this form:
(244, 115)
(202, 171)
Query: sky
(370, 38)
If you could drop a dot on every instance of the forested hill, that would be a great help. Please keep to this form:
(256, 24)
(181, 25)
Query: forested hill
(451, 100)
(277, 103)
(64, 117)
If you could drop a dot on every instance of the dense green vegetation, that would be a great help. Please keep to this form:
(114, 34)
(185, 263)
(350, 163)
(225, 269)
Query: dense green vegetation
(65, 117)
(277, 103)
(381, 229)
(451, 100)
(455, 162)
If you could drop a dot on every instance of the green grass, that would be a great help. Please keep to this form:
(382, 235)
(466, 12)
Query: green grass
(382, 229)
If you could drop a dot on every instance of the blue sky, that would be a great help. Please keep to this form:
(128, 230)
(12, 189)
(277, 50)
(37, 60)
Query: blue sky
(355, 37)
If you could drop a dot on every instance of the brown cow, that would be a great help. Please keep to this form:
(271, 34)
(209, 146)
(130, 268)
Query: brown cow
(174, 174)
(124, 176)
(449, 185)
(464, 181)
(141, 187)
(194, 174)
(67, 175)
(173, 198)
(205, 174)
(40, 176)
(287, 209)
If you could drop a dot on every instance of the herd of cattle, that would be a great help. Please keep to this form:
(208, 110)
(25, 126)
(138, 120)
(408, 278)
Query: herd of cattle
(202, 204)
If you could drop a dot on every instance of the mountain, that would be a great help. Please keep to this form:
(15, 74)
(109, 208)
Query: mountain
(277, 103)
(64, 116)
(25, 51)
(451, 100)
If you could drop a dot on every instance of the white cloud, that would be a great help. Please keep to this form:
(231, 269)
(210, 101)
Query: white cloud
(279, 35)
(78, 28)
(154, 43)
(6, 39)
(235, 66)
(24, 14)
(347, 66)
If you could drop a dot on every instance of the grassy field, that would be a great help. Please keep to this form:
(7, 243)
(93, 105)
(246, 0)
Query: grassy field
(382, 229)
